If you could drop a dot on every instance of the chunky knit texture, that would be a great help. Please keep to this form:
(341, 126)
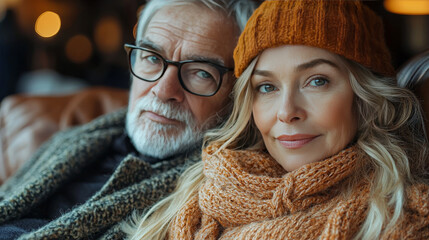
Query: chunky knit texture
(347, 28)
(135, 185)
(247, 195)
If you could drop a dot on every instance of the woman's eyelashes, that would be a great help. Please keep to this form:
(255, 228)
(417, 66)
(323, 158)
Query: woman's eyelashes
(317, 81)
(313, 82)
(266, 88)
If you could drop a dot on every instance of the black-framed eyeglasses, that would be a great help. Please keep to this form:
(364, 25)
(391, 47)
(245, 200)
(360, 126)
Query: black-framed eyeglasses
(198, 77)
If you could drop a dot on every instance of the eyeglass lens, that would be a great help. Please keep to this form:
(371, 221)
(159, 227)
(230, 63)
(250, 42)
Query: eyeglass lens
(199, 78)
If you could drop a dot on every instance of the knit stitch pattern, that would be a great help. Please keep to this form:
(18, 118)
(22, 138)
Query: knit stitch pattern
(345, 27)
(248, 195)
(135, 185)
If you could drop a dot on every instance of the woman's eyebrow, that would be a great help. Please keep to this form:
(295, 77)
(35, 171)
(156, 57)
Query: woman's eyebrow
(263, 73)
(301, 67)
(314, 63)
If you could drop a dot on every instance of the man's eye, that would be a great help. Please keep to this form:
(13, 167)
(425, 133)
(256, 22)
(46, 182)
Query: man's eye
(266, 88)
(204, 74)
(318, 82)
(153, 59)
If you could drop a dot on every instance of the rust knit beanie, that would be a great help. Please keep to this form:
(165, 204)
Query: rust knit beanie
(345, 27)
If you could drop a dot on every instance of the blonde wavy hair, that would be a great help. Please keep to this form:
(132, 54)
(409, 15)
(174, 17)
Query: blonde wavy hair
(390, 134)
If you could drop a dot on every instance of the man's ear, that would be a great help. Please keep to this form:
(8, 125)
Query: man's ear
(135, 31)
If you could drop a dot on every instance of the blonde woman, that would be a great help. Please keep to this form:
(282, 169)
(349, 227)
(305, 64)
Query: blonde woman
(319, 144)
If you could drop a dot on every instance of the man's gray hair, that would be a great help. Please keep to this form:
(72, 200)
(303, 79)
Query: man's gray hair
(241, 10)
(414, 72)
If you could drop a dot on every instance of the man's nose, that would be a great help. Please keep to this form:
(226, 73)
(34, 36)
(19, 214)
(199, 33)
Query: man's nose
(291, 109)
(168, 87)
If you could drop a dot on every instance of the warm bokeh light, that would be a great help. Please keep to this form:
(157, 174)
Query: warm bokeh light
(79, 49)
(48, 24)
(108, 35)
(407, 7)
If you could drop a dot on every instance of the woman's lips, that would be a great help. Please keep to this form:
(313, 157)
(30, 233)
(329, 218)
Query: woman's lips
(295, 141)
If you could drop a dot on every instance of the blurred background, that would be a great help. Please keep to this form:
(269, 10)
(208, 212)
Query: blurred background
(62, 46)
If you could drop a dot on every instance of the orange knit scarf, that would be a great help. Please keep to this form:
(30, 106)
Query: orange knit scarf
(247, 195)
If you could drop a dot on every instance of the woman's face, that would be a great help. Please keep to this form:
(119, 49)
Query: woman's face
(303, 104)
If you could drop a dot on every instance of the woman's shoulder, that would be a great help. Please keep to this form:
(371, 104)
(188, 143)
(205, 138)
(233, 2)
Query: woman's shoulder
(418, 200)
(414, 223)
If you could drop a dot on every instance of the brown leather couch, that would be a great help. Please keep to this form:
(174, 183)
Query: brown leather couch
(27, 121)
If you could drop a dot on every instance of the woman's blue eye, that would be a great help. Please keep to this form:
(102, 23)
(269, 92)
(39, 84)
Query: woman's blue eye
(266, 88)
(317, 82)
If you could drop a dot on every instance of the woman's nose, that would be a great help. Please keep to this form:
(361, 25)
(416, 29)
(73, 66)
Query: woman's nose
(291, 109)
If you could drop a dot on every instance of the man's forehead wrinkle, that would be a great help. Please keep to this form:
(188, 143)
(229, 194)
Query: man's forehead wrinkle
(165, 32)
(207, 45)
(190, 33)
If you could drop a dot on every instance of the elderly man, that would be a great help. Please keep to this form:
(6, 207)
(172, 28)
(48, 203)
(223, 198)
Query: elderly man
(84, 181)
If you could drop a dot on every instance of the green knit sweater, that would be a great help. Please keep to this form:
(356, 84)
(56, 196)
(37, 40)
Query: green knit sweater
(135, 184)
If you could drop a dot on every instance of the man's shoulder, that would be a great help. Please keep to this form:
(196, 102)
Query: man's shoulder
(110, 120)
(108, 124)
(70, 148)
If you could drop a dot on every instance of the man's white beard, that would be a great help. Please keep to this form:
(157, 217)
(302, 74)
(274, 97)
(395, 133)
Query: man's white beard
(162, 140)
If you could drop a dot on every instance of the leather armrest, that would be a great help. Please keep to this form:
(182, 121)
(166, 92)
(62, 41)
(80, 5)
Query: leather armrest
(27, 121)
